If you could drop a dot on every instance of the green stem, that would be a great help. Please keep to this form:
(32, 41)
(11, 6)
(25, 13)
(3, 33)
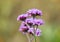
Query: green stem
(35, 38)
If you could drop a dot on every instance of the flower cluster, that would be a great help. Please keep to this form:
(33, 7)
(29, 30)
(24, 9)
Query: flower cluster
(30, 23)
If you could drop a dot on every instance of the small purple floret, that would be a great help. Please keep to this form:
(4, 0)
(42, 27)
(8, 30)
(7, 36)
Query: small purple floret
(31, 31)
(29, 21)
(34, 12)
(38, 22)
(23, 28)
(22, 17)
(38, 32)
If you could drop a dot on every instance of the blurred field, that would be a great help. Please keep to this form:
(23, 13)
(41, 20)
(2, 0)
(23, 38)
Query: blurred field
(10, 9)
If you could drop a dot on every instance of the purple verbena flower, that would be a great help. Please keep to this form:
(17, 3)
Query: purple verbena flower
(34, 12)
(30, 22)
(22, 17)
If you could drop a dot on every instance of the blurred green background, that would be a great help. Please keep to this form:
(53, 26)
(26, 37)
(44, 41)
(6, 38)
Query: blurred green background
(10, 9)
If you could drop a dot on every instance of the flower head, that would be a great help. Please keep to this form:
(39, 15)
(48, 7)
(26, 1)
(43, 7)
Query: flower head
(22, 17)
(30, 22)
(34, 12)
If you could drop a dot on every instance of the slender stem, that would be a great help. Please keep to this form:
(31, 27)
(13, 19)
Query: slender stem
(28, 37)
(34, 35)
(32, 38)
(35, 38)
(34, 32)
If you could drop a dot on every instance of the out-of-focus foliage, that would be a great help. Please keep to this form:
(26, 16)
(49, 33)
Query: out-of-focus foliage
(10, 9)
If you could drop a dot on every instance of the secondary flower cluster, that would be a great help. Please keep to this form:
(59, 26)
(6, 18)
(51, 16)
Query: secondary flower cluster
(30, 23)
